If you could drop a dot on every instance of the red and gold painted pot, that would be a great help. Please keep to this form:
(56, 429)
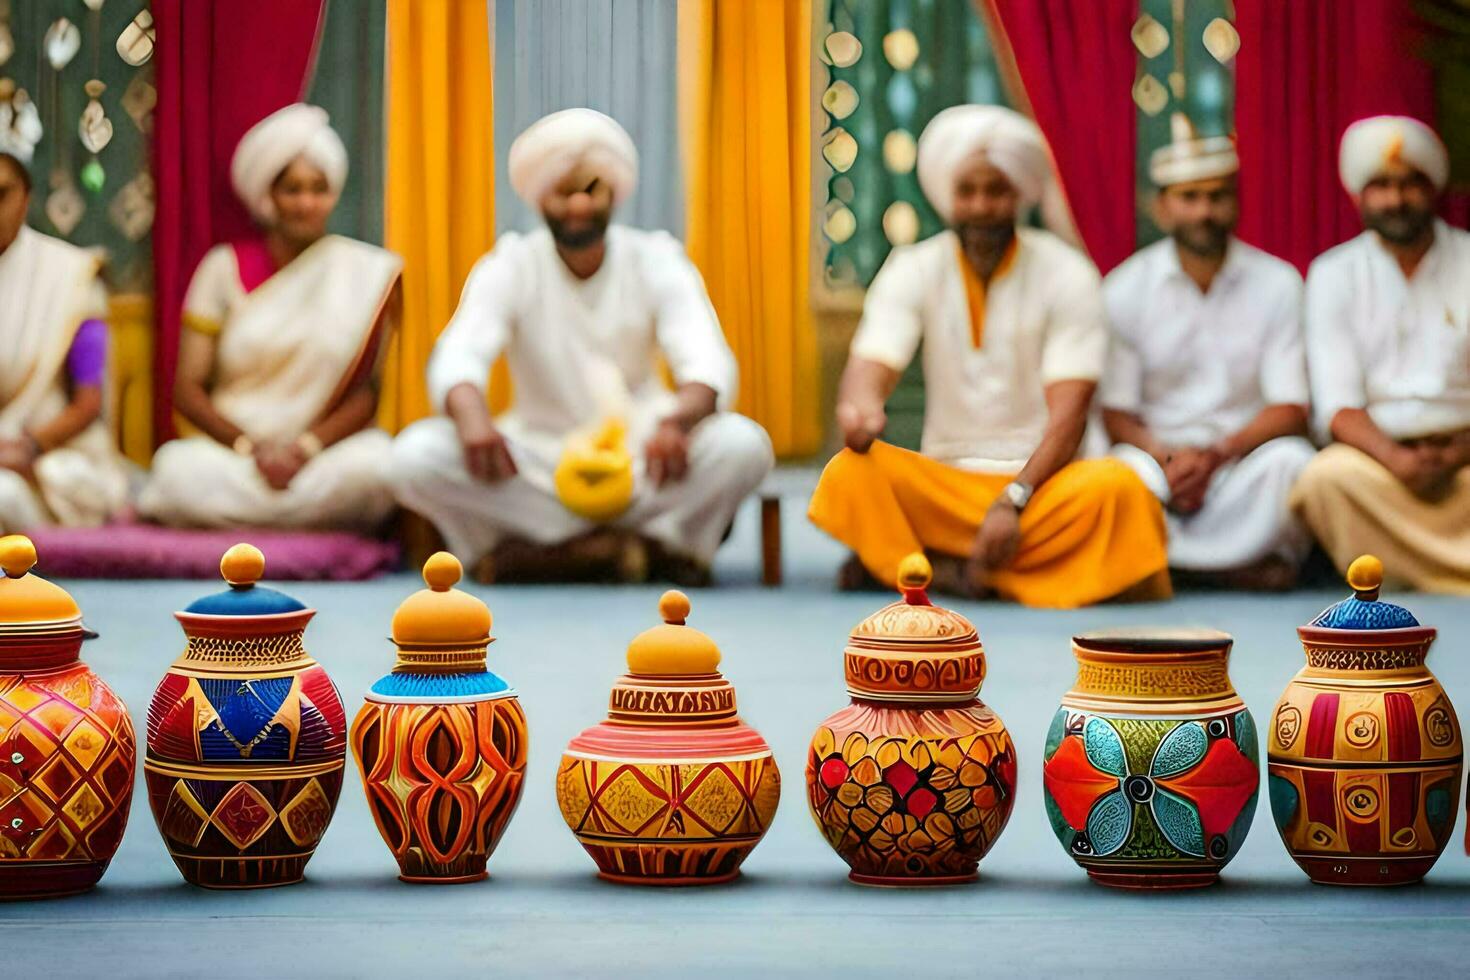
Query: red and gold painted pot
(441, 741)
(1365, 753)
(67, 752)
(673, 788)
(913, 782)
(1151, 770)
(247, 738)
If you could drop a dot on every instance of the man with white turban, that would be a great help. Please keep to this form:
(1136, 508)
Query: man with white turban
(276, 386)
(57, 461)
(1014, 340)
(1205, 393)
(1388, 350)
(585, 312)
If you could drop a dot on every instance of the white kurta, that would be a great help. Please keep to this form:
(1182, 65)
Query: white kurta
(1399, 348)
(47, 288)
(284, 354)
(580, 351)
(985, 407)
(1197, 367)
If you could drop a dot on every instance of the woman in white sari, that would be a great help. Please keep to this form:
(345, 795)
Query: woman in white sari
(57, 462)
(277, 370)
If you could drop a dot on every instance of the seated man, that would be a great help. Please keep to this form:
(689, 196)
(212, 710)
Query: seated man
(1388, 351)
(1014, 341)
(583, 312)
(1205, 393)
(278, 363)
(57, 462)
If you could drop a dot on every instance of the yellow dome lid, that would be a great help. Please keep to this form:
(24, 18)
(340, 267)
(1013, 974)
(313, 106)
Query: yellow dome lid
(442, 614)
(27, 599)
(673, 649)
(914, 618)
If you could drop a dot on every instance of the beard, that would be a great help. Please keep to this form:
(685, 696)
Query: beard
(985, 236)
(1206, 239)
(1401, 226)
(581, 236)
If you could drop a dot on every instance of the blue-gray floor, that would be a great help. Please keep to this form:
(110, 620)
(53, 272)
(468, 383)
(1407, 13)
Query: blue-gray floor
(543, 913)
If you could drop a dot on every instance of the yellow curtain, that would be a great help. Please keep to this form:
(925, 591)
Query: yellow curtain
(745, 69)
(440, 199)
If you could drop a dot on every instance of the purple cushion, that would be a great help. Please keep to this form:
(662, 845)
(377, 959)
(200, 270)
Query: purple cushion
(151, 551)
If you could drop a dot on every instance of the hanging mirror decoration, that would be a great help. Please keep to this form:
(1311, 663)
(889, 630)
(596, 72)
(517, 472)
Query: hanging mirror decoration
(95, 131)
(132, 210)
(135, 44)
(62, 42)
(138, 101)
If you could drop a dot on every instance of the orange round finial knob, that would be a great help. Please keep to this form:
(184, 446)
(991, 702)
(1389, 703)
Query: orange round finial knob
(17, 555)
(243, 565)
(915, 572)
(1365, 576)
(442, 571)
(674, 607)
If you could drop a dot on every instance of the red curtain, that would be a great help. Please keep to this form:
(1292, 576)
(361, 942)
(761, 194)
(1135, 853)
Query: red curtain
(1077, 63)
(221, 66)
(1306, 69)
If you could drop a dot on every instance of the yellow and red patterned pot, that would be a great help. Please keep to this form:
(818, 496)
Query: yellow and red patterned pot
(441, 741)
(67, 752)
(673, 788)
(1365, 753)
(1151, 770)
(247, 738)
(913, 782)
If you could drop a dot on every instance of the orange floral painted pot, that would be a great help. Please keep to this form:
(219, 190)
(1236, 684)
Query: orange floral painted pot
(912, 783)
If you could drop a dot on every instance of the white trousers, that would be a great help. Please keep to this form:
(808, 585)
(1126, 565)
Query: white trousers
(729, 455)
(1245, 517)
(20, 505)
(199, 483)
(78, 492)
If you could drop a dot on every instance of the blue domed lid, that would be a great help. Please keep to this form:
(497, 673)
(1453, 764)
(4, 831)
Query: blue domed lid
(1364, 610)
(431, 687)
(242, 567)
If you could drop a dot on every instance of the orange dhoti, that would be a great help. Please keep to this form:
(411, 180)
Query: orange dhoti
(1089, 533)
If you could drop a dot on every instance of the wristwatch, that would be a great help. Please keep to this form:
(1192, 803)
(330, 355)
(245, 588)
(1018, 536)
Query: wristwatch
(1018, 493)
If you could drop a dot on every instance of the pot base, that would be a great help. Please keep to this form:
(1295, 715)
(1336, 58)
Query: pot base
(444, 879)
(917, 881)
(682, 882)
(1365, 872)
(1149, 881)
(26, 880)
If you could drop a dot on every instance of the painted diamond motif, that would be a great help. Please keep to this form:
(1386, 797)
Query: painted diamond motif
(628, 803)
(243, 815)
(184, 820)
(57, 778)
(305, 817)
(83, 807)
(85, 743)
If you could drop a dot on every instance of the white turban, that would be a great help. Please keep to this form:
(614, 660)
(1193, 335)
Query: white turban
(1009, 140)
(1188, 158)
(268, 148)
(555, 145)
(1370, 143)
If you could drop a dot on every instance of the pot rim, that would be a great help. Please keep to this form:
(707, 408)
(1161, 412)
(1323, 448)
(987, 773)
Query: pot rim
(1154, 640)
(1399, 636)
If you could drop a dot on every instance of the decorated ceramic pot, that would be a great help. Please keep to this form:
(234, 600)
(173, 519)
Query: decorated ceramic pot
(67, 752)
(441, 741)
(673, 788)
(246, 737)
(914, 780)
(1151, 770)
(1365, 751)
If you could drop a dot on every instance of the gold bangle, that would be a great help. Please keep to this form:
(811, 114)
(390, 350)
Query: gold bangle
(243, 445)
(310, 444)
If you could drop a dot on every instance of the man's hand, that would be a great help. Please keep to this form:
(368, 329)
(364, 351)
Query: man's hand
(860, 427)
(1425, 466)
(279, 464)
(1189, 472)
(486, 452)
(667, 453)
(996, 543)
(18, 456)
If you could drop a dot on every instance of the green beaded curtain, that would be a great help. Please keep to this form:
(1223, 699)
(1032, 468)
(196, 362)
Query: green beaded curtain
(1185, 54)
(91, 168)
(348, 83)
(893, 65)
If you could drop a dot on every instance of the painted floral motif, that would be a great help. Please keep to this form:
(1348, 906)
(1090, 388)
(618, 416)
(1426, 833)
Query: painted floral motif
(1152, 790)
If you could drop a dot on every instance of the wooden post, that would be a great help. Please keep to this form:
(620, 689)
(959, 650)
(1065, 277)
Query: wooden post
(771, 540)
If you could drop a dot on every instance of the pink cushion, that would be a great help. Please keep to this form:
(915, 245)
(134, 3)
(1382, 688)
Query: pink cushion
(150, 551)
